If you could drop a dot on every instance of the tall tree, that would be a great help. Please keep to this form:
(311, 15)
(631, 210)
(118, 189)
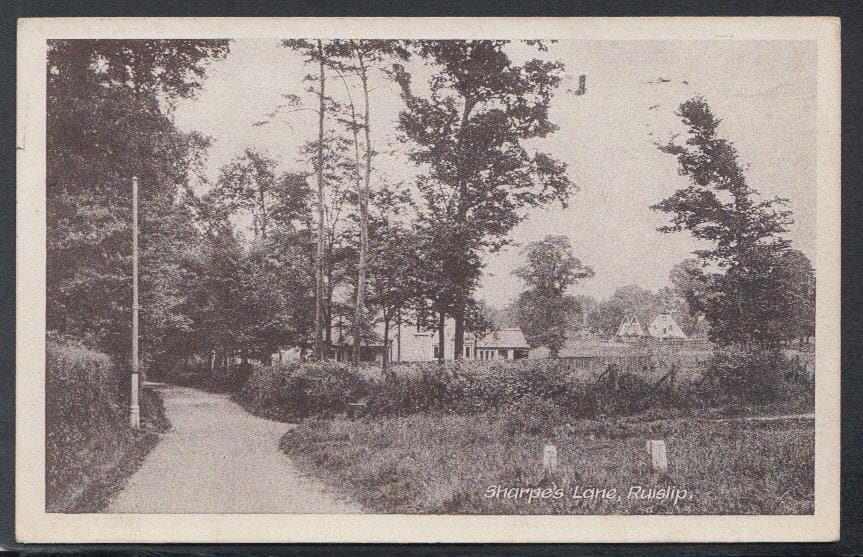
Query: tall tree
(339, 172)
(108, 119)
(248, 183)
(796, 277)
(720, 207)
(359, 58)
(315, 53)
(469, 132)
(393, 265)
(689, 285)
(544, 308)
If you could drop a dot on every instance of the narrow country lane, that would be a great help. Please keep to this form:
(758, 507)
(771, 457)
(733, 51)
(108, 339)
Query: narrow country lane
(217, 458)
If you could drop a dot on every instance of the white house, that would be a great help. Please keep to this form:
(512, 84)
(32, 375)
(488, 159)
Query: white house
(505, 344)
(407, 344)
(665, 327)
(410, 345)
(629, 328)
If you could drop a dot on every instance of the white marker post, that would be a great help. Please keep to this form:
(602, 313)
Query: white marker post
(134, 409)
(658, 456)
(549, 459)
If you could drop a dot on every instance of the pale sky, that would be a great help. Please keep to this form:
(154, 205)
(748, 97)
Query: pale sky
(764, 91)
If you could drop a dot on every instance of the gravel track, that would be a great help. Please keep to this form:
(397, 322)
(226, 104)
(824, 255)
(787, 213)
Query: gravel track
(218, 458)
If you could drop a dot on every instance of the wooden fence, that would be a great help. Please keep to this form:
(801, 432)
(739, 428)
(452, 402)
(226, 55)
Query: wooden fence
(650, 365)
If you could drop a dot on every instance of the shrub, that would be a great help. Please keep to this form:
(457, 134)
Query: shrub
(81, 387)
(518, 389)
(89, 448)
(465, 386)
(753, 375)
(295, 390)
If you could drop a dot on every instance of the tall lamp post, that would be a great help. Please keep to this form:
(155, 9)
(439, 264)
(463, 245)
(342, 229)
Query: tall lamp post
(134, 409)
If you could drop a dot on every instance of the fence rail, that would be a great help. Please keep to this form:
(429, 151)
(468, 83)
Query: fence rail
(646, 364)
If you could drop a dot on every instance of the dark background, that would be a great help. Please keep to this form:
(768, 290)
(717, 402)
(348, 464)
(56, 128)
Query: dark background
(852, 198)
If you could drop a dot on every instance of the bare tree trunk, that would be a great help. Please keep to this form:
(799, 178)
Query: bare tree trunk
(385, 362)
(363, 207)
(459, 332)
(328, 305)
(458, 252)
(319, 264)
(360, 294)
(441, 341)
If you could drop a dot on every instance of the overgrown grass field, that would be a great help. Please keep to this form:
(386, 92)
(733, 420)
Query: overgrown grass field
(454, 464)
(468, 436)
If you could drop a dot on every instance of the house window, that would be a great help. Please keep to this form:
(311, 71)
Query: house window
(436, 352)
(467, 351)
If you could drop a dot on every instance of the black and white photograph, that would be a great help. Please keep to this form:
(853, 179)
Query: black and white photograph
(384, 271)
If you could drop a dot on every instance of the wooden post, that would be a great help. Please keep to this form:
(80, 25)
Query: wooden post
(134, 409)
(549, 459)
(658, 456)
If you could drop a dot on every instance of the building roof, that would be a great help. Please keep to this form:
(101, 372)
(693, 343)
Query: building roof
(630, 327)
(664, 326)
(504, 338)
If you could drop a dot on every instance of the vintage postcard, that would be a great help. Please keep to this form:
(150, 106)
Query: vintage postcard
(428, 280)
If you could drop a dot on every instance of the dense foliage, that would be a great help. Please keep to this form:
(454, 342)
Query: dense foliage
(107, 122)
(471, 132)
(88, 444)
(543, 310)
(295, 390)
(259, 261)
(748, 299)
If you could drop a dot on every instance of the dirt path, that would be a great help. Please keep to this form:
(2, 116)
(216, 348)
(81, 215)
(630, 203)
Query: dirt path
(218, 458)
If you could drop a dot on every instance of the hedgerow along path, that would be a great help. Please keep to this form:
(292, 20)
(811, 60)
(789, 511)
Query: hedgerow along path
(217, 458)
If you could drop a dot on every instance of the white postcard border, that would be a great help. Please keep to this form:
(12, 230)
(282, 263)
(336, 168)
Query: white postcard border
(33, 524)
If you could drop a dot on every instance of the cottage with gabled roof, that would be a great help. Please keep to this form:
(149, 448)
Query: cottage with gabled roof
(665, 327)
(630, 327)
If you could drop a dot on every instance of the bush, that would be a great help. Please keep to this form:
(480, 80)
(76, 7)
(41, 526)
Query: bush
(89, 448)
(81, 387)
(295, 390)
(468, 386)
(518, 389)
(753, 375)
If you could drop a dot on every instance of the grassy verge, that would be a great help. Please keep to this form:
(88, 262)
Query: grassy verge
(88, 466)
(471, 465)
